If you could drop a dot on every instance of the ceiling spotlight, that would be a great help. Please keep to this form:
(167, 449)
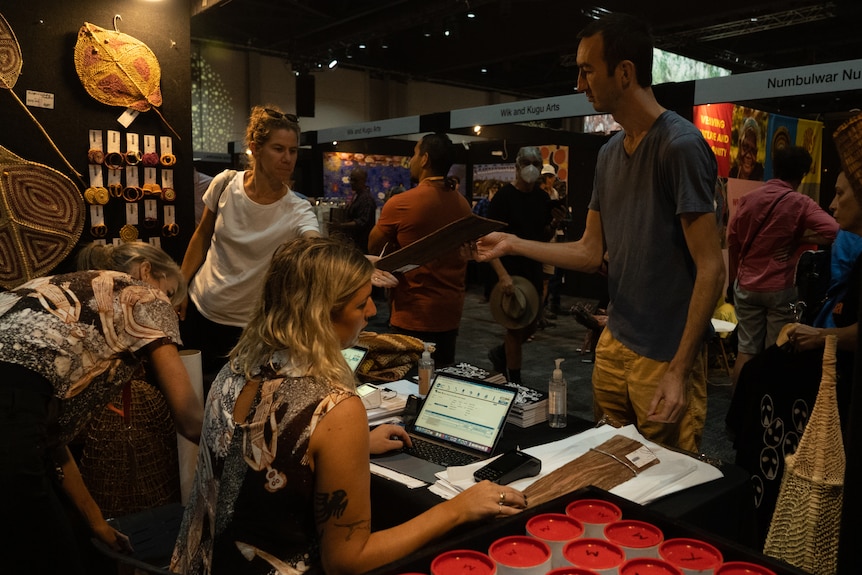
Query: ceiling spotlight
(483, 70)
(362, 46)
(333, 64)
(477, 129)
(471, 15)
(447, 33)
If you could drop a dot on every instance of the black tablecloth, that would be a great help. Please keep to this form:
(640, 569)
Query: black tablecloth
(479, 537)
(724, 507)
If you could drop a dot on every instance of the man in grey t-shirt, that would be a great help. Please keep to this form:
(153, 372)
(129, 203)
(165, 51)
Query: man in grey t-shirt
(652, 209)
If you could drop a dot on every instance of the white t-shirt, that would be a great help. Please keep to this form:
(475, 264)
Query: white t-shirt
(228, 283)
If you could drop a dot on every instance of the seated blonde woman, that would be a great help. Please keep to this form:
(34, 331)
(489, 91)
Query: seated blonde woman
(283, 478)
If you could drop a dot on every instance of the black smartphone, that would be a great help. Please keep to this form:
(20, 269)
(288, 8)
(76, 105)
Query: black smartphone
(509, 467)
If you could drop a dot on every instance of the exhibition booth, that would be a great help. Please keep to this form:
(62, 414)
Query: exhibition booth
(128, 155)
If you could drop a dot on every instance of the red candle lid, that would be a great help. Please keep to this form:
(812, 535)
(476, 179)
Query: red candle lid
(648, 566)
(742, 568)
(593, 511)
(593, 553)
(570, 570)
(633, 533)
(463, 562)
(520, 551)
(554, 527)
(690, 554)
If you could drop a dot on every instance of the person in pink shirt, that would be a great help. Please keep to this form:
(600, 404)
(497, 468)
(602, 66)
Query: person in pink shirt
(763, 241)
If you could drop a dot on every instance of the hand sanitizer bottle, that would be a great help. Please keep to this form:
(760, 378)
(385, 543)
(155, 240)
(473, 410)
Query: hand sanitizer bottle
(557, 397)
(426, 370)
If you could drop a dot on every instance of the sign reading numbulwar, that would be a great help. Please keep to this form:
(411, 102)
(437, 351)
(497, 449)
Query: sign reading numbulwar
(815, 79)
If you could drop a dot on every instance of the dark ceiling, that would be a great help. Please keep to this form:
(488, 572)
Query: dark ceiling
(526, 47)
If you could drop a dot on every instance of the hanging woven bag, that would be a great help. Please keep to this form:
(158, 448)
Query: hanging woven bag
(806, 522)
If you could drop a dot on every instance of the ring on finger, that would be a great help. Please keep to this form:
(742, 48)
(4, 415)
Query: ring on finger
(502, 498)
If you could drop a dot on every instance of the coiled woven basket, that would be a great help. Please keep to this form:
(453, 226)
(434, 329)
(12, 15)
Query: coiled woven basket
(129, 460)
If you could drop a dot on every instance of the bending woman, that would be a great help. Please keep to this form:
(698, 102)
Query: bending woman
(283, 480)
(67, 344)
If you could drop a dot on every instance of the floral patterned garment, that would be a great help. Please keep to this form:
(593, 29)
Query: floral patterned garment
(82, 332)
(251, 507)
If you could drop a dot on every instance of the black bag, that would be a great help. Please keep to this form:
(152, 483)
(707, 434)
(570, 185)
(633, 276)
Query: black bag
(813, 276)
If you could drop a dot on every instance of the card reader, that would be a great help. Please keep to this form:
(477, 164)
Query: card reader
(370, 395)
(509, 467)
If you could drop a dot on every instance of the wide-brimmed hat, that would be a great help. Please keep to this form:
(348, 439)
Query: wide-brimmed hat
(848, 141)
(517, 309)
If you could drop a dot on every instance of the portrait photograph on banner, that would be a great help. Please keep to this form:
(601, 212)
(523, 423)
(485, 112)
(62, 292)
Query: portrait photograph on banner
(747, 147)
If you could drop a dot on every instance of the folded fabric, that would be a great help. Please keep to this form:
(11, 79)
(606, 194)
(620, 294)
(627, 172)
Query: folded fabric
(390, 355)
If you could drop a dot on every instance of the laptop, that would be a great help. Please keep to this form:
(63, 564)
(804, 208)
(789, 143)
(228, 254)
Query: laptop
(461, 417)
(354, 356)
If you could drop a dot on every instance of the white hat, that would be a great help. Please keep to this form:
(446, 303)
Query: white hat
(549, 169)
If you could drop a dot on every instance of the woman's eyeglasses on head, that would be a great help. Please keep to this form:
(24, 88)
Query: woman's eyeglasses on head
(279, 115)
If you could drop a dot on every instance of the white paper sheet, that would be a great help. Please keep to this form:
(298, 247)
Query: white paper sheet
(675, 472)
(187, 450)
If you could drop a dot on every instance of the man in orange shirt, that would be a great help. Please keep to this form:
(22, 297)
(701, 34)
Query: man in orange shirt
(428, 301)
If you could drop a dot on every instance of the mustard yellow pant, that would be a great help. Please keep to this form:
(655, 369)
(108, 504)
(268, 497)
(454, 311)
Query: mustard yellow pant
(623, 387)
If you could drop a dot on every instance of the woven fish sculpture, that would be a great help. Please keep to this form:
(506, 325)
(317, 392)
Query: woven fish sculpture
(11, 62)
(118, 70)
(10, 56)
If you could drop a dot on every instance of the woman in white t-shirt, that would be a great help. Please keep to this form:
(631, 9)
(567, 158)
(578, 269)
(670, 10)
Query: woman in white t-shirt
(246, 216)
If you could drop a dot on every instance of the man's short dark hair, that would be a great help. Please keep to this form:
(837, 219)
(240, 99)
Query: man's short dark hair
(625, 37)
(791, 163)
(439, 149)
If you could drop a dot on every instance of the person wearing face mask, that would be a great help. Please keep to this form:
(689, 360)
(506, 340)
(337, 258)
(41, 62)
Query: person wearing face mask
(526, 208)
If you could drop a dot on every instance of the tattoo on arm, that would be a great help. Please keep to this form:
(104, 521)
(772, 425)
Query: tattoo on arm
(362, 524)
(329, 505)
(333, 505)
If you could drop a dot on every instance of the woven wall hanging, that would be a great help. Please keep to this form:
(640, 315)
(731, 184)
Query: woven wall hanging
(807, 519)
(41, 218)
(11, 62)
(119, 70)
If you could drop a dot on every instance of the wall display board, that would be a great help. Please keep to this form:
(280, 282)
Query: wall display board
(386, 174)
(135, 165)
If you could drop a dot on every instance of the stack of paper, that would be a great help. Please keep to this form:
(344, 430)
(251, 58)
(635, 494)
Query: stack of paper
(530, 407)
(394, 397)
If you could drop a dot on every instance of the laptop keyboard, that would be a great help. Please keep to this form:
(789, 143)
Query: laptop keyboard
(438, 454)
